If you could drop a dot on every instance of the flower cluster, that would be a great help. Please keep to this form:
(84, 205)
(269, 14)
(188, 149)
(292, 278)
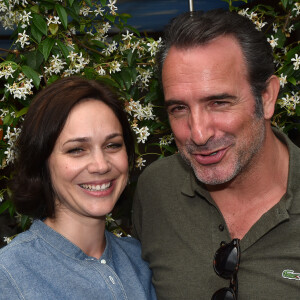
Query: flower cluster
(279, 29)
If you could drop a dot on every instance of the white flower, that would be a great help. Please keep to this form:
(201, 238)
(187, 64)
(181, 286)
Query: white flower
(297, 8)
(272, 41)
(296, 61)
(259, 24)
(139, 162)
(20, 89)
(100, 70)
(98, 11)
(127, 36)
(143, 133)
(282, 80)
(56, 65)
(166, 140)
(7, 239)
(275, 27)
(6, 71)
(153, 46)
(114, 67)
(25, 18)
(53, 20)
(85, 11)
(23, 39)
(112, 6)
(106, 26)
(291, 28)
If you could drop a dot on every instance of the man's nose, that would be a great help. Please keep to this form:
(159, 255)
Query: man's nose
(99, 163)
(201, 127)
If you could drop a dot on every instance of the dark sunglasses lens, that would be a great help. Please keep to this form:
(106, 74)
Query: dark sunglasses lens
(227, 260)
(224, 294)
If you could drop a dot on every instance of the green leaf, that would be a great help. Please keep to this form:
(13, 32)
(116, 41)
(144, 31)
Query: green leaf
(24, 221)
(53, 28)
(284, 3)
(46, 47)
(64, 49)
(63, 16)
(22, 112)
(70, 2)
(89, 2)
(36, 33)
(126, 76)
(7, 119)
(34, 59)
(103, 2)
(98, 43)
(131, 58)
(298, 110)
(4, 206)
(35, 8)
(40, 23)
(110, 18)
(31, 74)
(292, 80)
(73, 13)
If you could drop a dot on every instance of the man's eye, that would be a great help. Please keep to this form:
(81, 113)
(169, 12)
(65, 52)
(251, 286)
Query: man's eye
(220, 103)
(177, 109)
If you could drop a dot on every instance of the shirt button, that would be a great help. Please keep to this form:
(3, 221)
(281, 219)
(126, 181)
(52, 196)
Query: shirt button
(221, 227)
(111, 279)
(103, 261)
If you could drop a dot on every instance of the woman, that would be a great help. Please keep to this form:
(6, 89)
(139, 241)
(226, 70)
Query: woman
(75, 150)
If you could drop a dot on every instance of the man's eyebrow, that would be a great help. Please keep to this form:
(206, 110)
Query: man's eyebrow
(220, 97)
(169, 103)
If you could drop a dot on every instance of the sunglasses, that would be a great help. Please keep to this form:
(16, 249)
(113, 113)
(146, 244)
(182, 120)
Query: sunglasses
(226, 265)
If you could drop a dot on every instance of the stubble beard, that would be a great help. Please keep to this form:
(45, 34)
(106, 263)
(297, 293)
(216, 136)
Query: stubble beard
(244, 158)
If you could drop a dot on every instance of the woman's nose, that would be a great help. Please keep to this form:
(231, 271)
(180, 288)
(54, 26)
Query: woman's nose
(99, 163)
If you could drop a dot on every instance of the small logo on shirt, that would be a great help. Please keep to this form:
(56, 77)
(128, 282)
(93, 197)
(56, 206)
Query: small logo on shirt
(290, 274)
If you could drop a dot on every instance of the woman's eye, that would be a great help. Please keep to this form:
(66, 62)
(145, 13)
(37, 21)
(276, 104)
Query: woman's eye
(114, 146)
(75, 151)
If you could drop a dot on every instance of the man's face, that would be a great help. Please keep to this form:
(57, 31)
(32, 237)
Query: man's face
(211, 109)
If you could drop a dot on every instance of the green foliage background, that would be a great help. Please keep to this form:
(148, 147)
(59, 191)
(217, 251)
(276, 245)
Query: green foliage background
(58, 38)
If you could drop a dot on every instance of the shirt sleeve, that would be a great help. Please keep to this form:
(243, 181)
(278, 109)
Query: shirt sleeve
(8, 287)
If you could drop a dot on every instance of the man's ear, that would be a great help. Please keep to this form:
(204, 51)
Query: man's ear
(269, 96)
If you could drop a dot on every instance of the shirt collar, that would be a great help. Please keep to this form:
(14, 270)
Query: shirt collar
(63, 245)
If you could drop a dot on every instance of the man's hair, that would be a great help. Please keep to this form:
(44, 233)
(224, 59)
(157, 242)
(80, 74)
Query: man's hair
(31, 186)
(198, 28)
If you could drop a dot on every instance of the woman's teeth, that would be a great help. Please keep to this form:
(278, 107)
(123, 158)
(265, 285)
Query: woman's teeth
(98, 187)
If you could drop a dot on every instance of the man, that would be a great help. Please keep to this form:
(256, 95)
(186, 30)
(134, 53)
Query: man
(234, 177)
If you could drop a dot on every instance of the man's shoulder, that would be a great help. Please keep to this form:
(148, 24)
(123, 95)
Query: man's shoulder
(167, 164)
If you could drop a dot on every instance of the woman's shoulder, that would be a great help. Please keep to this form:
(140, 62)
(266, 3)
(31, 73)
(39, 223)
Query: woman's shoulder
(126, 243)
(16, 247)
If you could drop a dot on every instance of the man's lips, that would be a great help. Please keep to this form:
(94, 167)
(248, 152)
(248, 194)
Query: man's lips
(210, 157)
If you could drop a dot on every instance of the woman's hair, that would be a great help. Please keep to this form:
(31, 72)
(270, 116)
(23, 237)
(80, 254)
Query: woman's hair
(31, 186)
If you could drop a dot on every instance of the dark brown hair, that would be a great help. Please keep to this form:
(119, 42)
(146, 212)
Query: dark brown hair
(31, 186)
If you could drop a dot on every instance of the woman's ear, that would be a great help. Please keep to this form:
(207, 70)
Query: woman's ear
(269, 96)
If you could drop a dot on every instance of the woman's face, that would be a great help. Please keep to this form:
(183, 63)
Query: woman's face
(89, 165)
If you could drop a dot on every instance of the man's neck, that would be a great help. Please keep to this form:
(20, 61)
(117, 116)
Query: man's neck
(253, 192)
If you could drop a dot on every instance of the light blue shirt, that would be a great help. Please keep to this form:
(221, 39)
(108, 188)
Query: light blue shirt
(41, 264)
